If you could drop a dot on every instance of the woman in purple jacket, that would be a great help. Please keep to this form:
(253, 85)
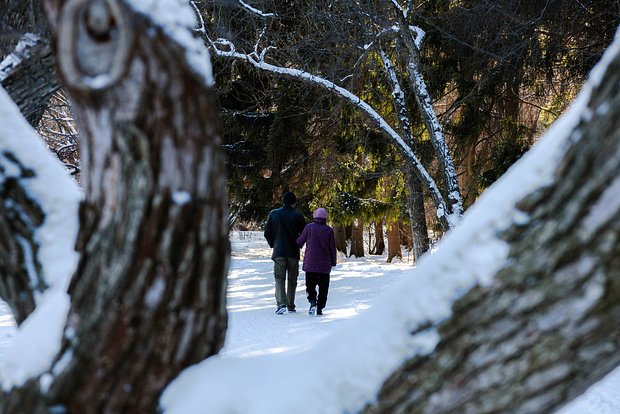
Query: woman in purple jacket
(319, 258)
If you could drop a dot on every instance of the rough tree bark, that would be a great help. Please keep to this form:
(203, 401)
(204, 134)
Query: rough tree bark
(148, 297)
(549, 326)
(33, 80)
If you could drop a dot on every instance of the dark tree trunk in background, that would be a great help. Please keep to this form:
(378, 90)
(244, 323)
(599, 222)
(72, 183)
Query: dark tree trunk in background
(379, 246)
(549, 326)
(357, 239)
(393, 236)
(341, 238)
(417, 215)
(148, 297)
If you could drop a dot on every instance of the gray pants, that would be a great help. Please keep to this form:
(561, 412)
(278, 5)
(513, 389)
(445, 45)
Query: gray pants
(285, 295)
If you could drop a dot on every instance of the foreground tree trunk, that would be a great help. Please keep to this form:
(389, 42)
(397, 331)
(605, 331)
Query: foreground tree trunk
(549, 325)
(148, 297)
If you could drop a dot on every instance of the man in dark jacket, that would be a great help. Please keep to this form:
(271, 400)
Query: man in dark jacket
(283, 226)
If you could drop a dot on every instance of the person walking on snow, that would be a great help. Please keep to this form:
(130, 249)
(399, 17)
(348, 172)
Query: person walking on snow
(319, 259)
(283, 226)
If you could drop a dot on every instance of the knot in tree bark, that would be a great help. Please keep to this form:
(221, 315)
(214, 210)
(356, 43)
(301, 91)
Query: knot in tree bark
(94, 41)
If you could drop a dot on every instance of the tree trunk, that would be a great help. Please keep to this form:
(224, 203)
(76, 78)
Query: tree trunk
(357, 239)
(417, 215)
(148, 297)
(393, 236)
(379, 246)
(549, 324)
(341, 238)
(406, 238)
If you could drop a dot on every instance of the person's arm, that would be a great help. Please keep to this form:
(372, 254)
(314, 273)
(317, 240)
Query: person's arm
(300, 224)
(332, 247)
(301, 240)
(268, 231)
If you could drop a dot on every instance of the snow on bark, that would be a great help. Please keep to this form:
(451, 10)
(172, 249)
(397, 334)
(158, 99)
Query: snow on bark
(49, 252)
(438, 140)
(177, 19)
(18, 55)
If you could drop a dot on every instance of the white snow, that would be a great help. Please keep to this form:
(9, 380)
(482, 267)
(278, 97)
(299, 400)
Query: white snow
(37, 342)
(178, 19)
(38, 339)
(256, 334)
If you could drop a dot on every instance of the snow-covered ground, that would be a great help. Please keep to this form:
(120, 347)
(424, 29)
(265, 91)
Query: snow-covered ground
(254, 329)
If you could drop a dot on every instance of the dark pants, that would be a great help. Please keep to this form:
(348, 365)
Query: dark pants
(322, 280)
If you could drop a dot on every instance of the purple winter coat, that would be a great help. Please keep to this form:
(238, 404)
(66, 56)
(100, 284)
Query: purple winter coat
(320, 247)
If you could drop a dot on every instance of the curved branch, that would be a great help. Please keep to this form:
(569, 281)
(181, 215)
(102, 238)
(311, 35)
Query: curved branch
(405, 149)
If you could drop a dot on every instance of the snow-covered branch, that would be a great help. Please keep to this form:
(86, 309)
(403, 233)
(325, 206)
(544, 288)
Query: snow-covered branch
(254, 10)
(20, 53)
(257, 59)
(413, 39)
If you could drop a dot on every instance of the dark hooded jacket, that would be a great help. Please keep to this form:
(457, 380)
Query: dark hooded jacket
(320, 247)
(283, 226)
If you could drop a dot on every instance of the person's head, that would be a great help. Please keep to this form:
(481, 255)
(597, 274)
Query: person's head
(289, 198)
(320, 213)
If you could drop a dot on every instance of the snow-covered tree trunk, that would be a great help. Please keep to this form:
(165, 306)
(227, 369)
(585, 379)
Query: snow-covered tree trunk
(412, 38)
(549, 324)
(415, 198)
(148, 295)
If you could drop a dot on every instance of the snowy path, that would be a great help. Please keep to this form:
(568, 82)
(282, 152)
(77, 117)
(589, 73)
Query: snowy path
(254, 329)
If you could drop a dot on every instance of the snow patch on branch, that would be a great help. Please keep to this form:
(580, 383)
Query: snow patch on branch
(178, 20)
(20, 53)
(255, 10)
(419, 36)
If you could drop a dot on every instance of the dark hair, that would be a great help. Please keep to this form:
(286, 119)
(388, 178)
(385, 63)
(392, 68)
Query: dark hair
(289, 198)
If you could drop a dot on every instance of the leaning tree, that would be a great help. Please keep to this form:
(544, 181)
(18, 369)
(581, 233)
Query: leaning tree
(147, 296)
(534, 267)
